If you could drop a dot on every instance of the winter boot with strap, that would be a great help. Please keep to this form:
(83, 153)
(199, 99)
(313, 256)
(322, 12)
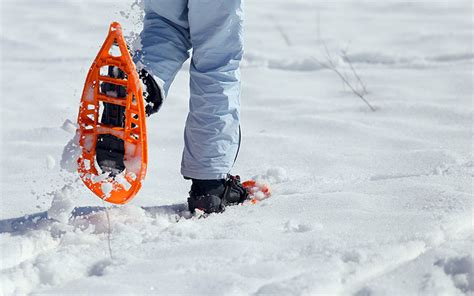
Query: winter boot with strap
(212, 196)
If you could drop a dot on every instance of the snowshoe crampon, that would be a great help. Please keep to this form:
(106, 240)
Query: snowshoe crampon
(112, 124)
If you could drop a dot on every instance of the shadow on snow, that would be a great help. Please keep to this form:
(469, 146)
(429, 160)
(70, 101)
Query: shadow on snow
(39, 220)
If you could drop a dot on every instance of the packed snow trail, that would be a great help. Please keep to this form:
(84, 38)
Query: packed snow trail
(364, 203)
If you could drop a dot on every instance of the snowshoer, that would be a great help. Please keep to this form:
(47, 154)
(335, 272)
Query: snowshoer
(213, 30)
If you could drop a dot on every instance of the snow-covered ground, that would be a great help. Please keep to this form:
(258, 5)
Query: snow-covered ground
(364, 203)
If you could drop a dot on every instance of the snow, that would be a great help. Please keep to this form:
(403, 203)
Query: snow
(106, 189)
(62, 205)
(273, 175)
(120, 178)
(71, 153)
(50, 162)
(100, 178)
(133, 157)
(90, 95)
(363, 203)
(69, 126)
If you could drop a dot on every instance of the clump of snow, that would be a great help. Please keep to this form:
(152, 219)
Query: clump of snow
(133, 158)
(107, 188)
(135, 41)
(62, 205)
(259, 195)
(50, 162)
(120, 178)
(134, 13)
(88, 141)
(259, 191)
(100, 178)
(71, 153)
(69, 126)
(133, 165)
(132, 175)
(90, 94)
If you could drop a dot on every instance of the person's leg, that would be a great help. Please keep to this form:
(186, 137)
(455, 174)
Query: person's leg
(212, 134)
(165, 45)
(165, 39)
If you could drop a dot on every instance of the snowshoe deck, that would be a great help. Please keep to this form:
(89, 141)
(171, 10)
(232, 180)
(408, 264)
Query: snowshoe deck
(111, 124)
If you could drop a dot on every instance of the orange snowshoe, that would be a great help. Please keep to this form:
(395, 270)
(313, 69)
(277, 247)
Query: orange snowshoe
(112, 125)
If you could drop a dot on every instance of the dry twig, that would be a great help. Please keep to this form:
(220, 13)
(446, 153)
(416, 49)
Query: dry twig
(109, 231)
(332, 66)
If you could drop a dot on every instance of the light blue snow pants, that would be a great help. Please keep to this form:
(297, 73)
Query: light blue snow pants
(213, 29)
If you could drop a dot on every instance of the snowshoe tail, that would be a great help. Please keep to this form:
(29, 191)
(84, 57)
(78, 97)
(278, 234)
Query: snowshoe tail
(111, 124)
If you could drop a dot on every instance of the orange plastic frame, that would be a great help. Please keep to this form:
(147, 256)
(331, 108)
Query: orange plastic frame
(124, 187)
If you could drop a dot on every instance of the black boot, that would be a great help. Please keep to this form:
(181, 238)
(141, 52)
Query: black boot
(212, 196)
(110, 150)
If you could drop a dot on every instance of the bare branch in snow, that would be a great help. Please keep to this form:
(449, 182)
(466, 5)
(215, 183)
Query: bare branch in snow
(282, 32)
(331, 65)
(354, 72)
(109, 231)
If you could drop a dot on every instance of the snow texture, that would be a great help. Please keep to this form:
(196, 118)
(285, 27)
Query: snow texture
(70, 155)
(50, 162)
(62, 205)
(364, 203)
(106, 189)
